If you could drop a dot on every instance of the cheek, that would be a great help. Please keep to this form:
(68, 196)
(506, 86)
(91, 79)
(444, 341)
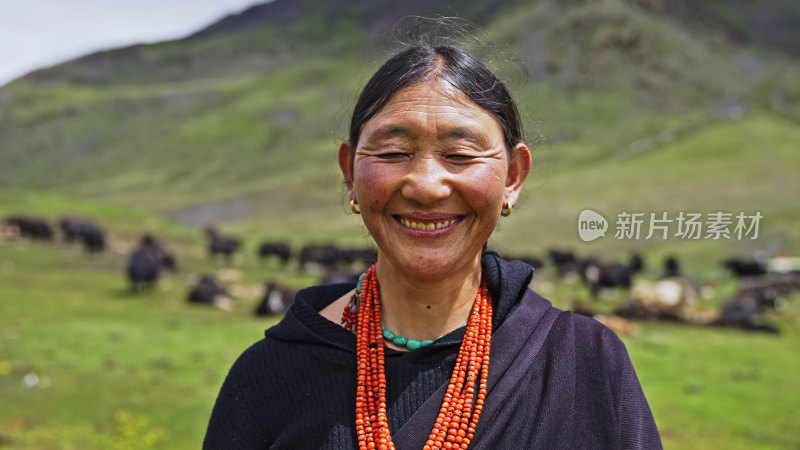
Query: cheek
(487, 188)
(372, 186)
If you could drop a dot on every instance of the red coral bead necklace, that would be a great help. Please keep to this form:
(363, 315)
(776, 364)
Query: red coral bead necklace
(461, 408)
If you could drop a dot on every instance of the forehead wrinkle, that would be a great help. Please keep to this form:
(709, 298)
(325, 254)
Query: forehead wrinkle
(460, 99)
(400, 117)
(389, 130)
(464, 134)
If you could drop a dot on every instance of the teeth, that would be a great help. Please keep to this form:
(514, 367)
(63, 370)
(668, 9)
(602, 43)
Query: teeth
(426, 226)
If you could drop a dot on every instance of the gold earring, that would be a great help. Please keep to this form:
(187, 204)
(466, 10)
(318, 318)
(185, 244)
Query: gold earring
(353, 207)
(505, 212)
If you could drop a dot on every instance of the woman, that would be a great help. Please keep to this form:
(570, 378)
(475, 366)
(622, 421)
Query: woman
(449, 348)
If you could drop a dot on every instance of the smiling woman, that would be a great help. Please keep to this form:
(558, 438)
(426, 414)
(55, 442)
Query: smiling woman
(441, 344)
(431, 174)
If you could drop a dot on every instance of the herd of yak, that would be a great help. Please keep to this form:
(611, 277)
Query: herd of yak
(763, 284)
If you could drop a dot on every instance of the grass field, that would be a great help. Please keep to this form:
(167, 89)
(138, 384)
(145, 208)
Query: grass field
(114, 371)
(85, 364)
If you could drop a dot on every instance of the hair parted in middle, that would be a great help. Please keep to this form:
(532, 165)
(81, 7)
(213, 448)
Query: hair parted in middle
(425, 63)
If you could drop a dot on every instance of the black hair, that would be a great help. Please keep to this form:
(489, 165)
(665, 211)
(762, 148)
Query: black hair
(458, 68)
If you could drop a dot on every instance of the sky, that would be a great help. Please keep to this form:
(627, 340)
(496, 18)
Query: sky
(42, 33)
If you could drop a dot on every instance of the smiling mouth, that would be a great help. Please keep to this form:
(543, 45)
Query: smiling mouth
(429, 225)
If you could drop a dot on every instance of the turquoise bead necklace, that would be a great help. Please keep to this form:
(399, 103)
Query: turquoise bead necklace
(396, 339)
(402, 341)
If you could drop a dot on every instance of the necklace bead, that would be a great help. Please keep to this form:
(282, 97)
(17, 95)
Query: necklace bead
(402, 341)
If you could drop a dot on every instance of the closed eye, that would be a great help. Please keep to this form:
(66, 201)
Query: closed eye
(391, 155)
(460, 157)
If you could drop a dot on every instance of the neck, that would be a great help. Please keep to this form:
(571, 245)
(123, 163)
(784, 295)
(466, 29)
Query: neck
(422, 309)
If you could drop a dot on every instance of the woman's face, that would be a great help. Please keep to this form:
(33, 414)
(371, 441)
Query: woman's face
(431, 174)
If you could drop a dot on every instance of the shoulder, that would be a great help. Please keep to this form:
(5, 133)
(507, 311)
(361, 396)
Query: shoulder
(589, 340)
(591, 331)
(257, 361)
(592, 359)
(601, 359)
(583, 327)
(592, 339)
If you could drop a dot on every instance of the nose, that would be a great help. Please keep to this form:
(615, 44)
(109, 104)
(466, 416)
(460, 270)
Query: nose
(427, 181)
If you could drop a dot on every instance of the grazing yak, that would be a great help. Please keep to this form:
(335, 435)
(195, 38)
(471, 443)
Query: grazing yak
(757, 295)
(324, 256)
(146, 262)
(279, 249)
(672, 267)
(636, 263)
(93, 240)
(207, 292)
(565, 261)
(30, 227)
(84, 231)
(72, 227)
(276, 300)
(602, 275)
(746, 309)
(744, 267)
(166, 258)
(144, 266)
(219, 245)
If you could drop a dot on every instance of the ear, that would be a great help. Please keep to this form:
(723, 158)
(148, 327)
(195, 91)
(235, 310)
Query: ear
(346, 165)
(518, 167)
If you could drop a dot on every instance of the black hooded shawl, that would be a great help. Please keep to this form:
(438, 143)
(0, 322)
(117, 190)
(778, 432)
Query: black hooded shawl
(556, 380)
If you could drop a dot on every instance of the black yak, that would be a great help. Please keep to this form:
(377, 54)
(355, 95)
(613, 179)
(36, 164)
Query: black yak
(206, 291)
(746, 309)
(85, 231)
(744, 267)
(146, 262)
(279, 249)
(144, 267)
(218, 244)
(31, 227)
(326, 256)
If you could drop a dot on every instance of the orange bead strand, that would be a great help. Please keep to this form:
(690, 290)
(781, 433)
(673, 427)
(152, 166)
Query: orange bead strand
(454, 427)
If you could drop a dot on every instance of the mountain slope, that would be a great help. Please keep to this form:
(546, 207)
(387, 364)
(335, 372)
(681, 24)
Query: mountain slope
(240, 121)
(259, 40)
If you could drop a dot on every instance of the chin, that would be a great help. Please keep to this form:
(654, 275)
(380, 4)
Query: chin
(434, 268)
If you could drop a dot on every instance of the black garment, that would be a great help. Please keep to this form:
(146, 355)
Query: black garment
(556, 380)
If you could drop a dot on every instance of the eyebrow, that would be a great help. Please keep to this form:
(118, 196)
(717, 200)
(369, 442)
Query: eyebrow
(390, 130)
(465, 134)
(453, 134)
